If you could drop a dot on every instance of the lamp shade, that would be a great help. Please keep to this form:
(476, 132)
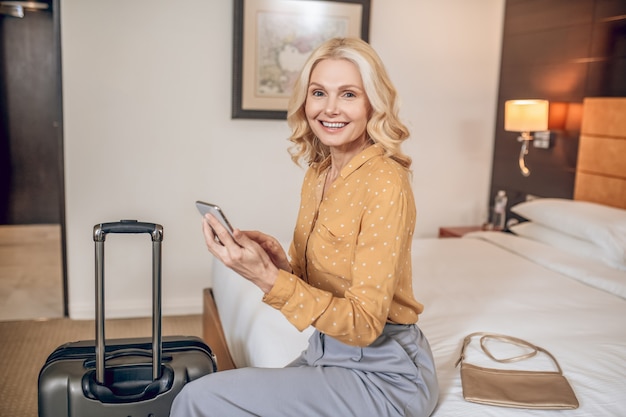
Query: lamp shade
(526, 115)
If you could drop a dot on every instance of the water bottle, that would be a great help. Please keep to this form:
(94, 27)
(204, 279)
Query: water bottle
(499, 211)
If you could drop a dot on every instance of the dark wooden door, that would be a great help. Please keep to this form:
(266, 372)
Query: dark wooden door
(31, 185)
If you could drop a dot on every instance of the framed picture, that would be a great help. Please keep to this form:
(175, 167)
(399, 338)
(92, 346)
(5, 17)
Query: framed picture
(273, 38)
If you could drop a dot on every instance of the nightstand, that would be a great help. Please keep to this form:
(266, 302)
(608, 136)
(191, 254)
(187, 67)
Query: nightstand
(458, 231)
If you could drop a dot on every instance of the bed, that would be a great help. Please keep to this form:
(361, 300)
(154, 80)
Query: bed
(558, 281)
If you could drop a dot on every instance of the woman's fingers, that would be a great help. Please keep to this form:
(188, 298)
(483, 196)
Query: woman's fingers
(272, 247)
(240, 253)
(223, 236)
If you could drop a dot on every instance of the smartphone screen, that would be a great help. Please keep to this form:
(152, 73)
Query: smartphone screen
(217, 212)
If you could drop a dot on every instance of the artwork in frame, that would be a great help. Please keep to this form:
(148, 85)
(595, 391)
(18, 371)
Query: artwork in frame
(273, 38)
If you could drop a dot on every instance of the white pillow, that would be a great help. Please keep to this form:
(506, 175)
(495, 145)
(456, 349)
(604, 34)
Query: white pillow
(601, 225)
(564, 242)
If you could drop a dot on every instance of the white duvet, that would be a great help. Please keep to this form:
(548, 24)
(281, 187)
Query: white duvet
(487, 281)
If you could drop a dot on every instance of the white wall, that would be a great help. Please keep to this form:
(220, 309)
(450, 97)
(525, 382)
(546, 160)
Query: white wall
(147, 87)
(444, 57)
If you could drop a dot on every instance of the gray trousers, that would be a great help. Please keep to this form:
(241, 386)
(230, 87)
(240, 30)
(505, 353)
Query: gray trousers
(394, 376)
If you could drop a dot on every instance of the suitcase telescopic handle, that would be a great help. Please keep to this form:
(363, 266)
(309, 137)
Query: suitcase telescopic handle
(127, 226)
(99, 235)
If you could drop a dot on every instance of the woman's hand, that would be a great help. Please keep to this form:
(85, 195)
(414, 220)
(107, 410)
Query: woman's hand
(240, 253)
(272, 247)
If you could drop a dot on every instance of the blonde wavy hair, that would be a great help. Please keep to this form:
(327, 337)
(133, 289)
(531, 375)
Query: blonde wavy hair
(383, 127)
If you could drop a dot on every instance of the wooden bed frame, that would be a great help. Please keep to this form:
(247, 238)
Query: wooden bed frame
(213, 333)
(600, 178)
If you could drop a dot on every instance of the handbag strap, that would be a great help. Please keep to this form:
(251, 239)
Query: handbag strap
(484, 336)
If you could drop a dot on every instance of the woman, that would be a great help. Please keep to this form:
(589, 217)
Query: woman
(349, 270)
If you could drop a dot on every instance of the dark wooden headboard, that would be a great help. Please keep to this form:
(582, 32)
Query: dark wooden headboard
(601, 166)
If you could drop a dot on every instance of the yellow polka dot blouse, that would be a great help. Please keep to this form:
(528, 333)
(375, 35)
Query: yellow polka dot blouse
(351, 252)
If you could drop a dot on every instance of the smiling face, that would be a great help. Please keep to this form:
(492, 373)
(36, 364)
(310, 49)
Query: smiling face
(337, 107)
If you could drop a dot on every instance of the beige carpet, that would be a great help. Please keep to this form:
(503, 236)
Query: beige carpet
(25, 345)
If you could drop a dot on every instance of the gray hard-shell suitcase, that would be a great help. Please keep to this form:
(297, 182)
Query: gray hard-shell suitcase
(122, 377)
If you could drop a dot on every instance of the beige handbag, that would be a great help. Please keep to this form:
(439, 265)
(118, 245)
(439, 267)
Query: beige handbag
(514, 388)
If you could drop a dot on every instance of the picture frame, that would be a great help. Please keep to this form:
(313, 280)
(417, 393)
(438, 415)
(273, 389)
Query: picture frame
(273, 38)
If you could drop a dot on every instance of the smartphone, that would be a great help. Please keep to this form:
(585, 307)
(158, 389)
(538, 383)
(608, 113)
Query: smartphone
(217, 212)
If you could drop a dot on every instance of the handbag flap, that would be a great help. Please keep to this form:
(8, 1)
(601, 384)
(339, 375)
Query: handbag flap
(513, 388)
(516, 388)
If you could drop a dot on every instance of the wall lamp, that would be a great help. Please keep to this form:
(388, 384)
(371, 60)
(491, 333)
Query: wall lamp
(16, 8)
(525, 116)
